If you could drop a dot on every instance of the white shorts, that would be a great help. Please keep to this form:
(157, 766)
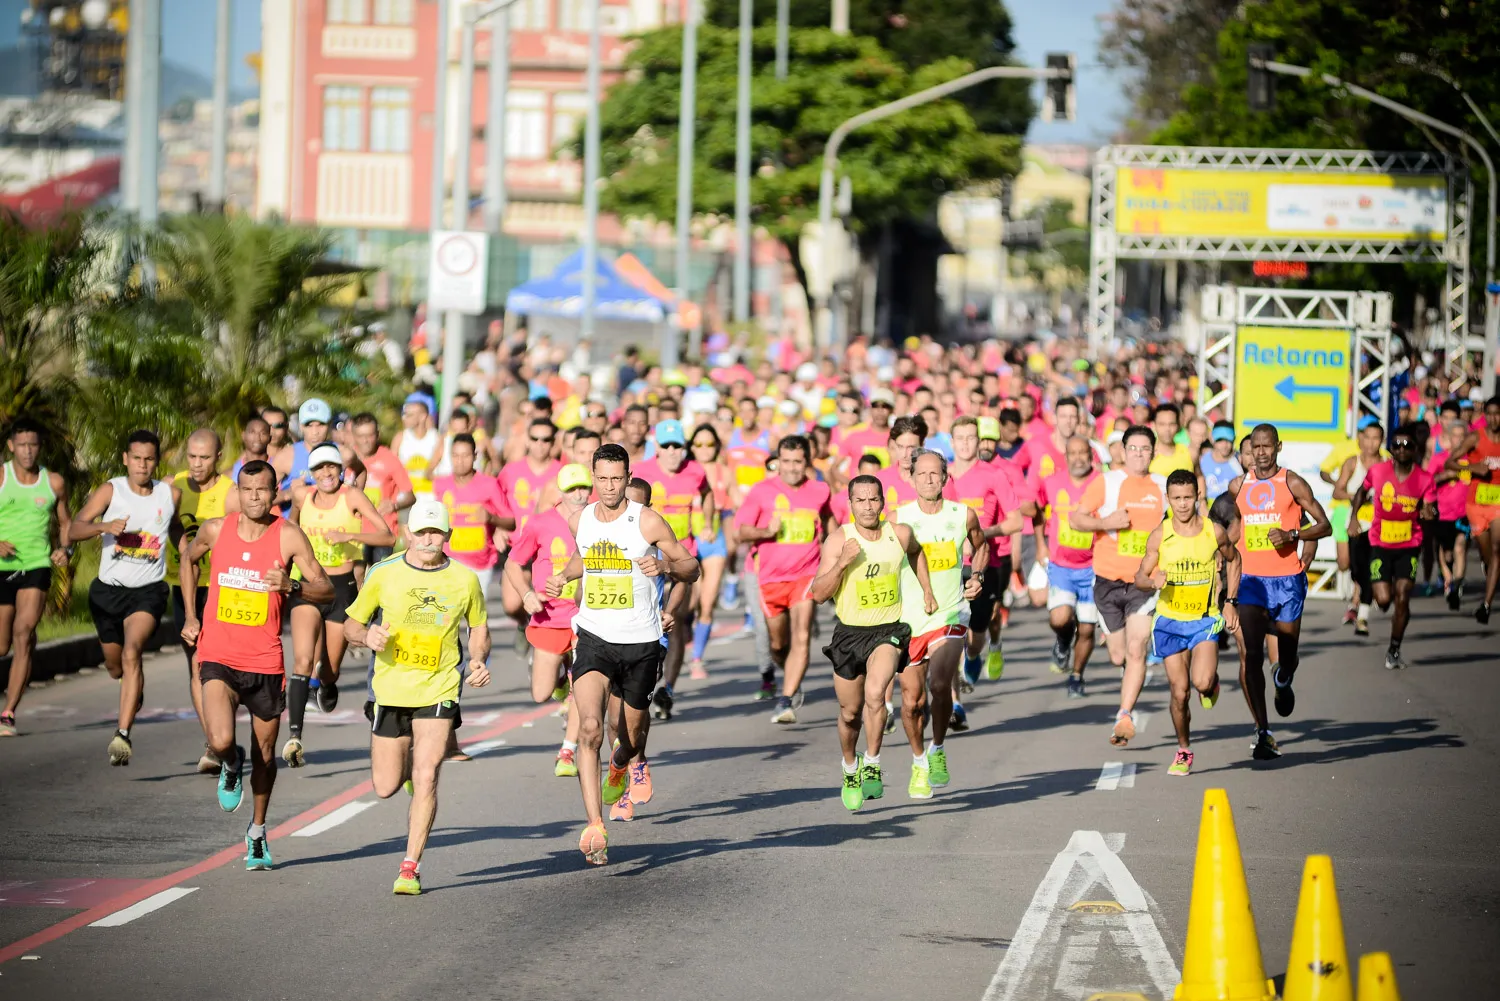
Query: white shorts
(1036, 577)
(485, 576)
(1072, 588)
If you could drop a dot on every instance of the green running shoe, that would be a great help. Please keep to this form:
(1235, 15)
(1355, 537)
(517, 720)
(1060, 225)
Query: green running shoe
(615, 784)
(919, 787)
(408, 880)
(1211, 698)
(870, 782)
(853, 795)
(937, 767)
(257, 853)
(994, 666)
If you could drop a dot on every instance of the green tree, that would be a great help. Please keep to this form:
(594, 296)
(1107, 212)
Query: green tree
(1062, 260)
(917, 33)
(898, 168)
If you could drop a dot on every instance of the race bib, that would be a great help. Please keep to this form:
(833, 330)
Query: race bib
(678, 523)
(1258, 538)
(796, 528)
(241, 607)
(1393, 532)
(1487, 494)
(1071, 538)
(1188, 600)
(940, 555)
(1132, 543)
(421, 651)
(609, 592)
(878, 592)
(467, 539)
(328, 554)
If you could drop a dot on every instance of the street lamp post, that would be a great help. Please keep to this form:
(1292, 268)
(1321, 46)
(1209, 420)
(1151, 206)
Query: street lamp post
(494, 129)
(591, 178)
(783, 33)
(686, 126)
(439, 120)
(742, 170)
(219, 153)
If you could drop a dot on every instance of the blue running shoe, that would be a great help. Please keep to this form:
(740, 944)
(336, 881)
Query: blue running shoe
(257, 853)
(231, 781)
(960, 719)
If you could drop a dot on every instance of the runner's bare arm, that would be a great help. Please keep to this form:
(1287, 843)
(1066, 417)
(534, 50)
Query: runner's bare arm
(298, 498)
(917, 557)
(1147, 576)
(1457, 457)
(187, 576)
(838, 553)
(571, 572)
(979, 553)
(1311, 506)
(680, 564)
(64, 520)
(1090, 521)
(87, 525)
(709, 510)
(297, 552)
(479, 651)
(1231, 557)
(363, 507)
(201, 542)
(175, 527)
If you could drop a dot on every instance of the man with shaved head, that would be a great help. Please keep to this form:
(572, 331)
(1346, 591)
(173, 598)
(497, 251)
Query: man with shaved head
(205, 494)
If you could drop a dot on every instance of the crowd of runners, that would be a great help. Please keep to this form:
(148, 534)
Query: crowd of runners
(925, 493)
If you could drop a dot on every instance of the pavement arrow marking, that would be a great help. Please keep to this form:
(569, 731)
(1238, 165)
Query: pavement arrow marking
(1115, 775)
(331, 820)
(155, 902)
(1090, 929)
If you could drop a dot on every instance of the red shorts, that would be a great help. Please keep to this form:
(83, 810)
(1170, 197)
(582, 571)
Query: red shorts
(921, 646)
(1480, 517)
(551, 639)
(777, 597)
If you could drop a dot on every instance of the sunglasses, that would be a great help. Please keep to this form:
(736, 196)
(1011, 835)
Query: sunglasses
(703, 444)
(669, 444)
(547, 440)
(275, 426)
(883, 406)
(1403, 444)
(848, 410)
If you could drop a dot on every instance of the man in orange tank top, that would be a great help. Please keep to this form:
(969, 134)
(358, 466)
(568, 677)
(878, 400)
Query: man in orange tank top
(239, 653)
(1270, 504)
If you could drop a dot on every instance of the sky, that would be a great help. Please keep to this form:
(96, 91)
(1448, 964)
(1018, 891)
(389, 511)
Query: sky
(1041, 26)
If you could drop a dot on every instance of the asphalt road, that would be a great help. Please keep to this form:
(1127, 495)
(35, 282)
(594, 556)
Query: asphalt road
(745, 877)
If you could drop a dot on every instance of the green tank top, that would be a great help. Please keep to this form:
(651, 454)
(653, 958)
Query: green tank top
(1192, 573)
(942, 537)
(26, 521)
(870, 593)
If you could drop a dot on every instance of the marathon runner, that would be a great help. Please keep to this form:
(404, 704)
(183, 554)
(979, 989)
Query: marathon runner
(422, 597)
(1184, 555)
(238, 639)
(860, 570)
(1219, 465)
(619, 628)
(33, 539)
(206, 494)
(784, 520)
(869, 438)
(1451, 527)
(633, 426)
(714, 542)
(129, 597)
(748, 449)
(418, 442)
(255, 440)
(1481, 452)
(1068, 553)
(1040, 458)
(1367, 455)
(476, 507)
(1122, 507)
(949, 533)
(387, 483)
(339, 522)
(550, 629)
(314, 418)
(1403, 494)
(1270, 504)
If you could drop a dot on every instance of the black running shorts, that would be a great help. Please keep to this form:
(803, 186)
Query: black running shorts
(395, 721)
(850, 648)
(14, 581)
(996, 580)
(110, 605)
(345, 590)
(263, 695)
(633, 669)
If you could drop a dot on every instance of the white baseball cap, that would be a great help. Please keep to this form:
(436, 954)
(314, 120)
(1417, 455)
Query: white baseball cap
(325, 453)
(428, 513)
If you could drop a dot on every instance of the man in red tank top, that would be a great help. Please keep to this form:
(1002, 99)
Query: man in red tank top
(251, 556)
(1479, 458)
(1270, 505)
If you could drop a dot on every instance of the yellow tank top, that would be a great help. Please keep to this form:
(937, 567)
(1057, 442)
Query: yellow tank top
(316, 522)
(195, 509)
(1192, 573)
(870, 593)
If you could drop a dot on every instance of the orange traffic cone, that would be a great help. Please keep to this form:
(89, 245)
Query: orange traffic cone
(1222, 959)
(1377, 981)
(1318, 967)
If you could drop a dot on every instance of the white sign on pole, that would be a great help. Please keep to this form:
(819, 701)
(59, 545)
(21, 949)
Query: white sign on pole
(457, 268)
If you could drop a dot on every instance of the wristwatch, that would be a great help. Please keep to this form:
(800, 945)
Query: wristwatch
(1232, 601)
(296, 587)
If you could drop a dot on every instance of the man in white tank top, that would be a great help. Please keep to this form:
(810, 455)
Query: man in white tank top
(619, 628)
(417, 445)
(136, 514)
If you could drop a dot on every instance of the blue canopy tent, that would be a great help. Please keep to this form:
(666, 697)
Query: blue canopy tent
(560, 295)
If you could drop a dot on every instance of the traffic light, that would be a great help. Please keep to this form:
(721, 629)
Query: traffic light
(1058, 100)
(1261, 81)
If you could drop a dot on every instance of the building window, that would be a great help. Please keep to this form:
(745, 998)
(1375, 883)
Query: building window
(343, 119)
(568, 112)
(390, 120)
(573, 15)
(530, 15)
(347, 11)
(393, 12)
(526, 125)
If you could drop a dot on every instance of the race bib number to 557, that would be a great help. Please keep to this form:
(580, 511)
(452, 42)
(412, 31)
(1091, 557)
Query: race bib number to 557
(242, 607)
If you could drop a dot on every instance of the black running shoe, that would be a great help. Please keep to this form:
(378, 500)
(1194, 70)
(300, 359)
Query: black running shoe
(1265, 747)
(1075, 686)
(1453, 598)
(1482, 615)
(328, 697)
(1286, 699)
(661, 704)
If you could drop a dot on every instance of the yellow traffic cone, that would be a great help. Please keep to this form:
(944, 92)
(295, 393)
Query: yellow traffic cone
(1222, 959)
(1318, 968)
(1377, 981)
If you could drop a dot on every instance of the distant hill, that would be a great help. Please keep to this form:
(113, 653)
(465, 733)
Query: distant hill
(19, 78)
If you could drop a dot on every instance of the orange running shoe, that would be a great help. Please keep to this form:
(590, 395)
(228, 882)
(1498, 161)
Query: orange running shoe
(640, 783)
(594, 844)
(614, 784)
(623, 810)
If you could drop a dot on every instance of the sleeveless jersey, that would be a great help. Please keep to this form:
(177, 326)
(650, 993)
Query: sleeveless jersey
(618, 603)
(870, 593)
(317, 522)
(242, 620)
(1192, 573)
(137, 556)
(414, 453)
(26, 521)
(194, 509)
(1264, 505)
(942, 536)
(1486, 453)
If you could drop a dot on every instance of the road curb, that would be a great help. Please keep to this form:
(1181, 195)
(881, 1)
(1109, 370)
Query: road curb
(68, 656)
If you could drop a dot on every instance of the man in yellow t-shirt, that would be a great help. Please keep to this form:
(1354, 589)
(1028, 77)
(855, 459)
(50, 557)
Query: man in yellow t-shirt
(1169, 455)
(423, 597)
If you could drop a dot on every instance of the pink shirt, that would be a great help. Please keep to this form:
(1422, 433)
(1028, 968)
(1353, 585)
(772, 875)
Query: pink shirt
(546, 545)
(385, 478)
(1012, 470)
(673, 495)
(471, 542)
(1398, 505)
(522, 488)
(1059, 496)
(1452, 497)
(988, 491)
(1040, 458)
(802, 510)
(866, 439)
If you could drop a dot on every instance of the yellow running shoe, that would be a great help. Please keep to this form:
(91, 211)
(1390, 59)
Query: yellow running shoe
(1210, 698)
(408, 881)
(615, 784)
(994, 665)
(567, 764)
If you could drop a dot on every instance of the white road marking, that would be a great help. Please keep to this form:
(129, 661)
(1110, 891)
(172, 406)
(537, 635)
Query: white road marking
(487, 718)
(1141, 720)
(474, 750)
(1044, 962)
(1115, 775)
(330, 820)
(142, 908)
